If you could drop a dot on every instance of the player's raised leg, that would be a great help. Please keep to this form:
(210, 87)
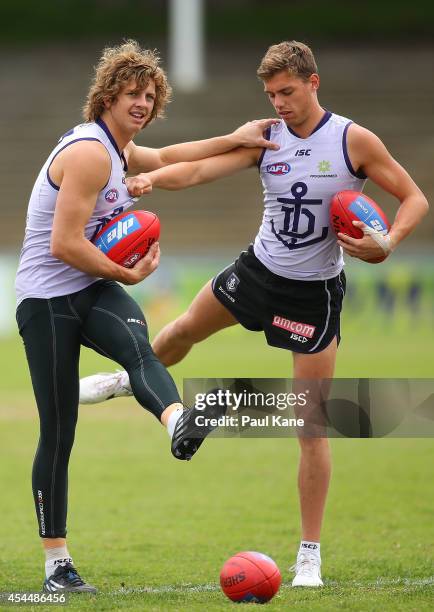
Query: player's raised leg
(314, 469)
(116, 327)
(205, 316)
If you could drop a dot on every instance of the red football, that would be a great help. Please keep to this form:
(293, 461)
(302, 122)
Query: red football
(250, 577)
(349, 206)
(128, 236)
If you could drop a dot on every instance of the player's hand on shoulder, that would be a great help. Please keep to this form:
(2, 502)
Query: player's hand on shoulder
(251, 134)
(374, 245)
(138, 185)
(145, 266)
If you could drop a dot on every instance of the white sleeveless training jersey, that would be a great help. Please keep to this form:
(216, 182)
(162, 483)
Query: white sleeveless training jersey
(40, 275)
(295, 239)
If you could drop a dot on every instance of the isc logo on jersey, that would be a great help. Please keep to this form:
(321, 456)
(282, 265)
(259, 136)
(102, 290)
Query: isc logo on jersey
(111, 237)
(278, 169)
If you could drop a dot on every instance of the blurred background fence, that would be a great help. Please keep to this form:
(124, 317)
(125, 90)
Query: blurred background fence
(376, 63)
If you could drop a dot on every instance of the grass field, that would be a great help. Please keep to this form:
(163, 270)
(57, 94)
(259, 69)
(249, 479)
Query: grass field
(152, 533)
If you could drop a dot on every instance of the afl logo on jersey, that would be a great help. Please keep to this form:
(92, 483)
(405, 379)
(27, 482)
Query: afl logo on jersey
(279, 168)
(111, 195)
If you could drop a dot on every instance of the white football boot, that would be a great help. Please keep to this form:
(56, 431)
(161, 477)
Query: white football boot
(103, 386)
(307, 571)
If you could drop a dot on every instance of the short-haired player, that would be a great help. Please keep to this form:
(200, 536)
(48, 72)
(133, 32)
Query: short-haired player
(294, 269)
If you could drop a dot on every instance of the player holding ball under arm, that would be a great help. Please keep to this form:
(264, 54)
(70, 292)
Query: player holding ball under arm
(67, 294)
(293, 272)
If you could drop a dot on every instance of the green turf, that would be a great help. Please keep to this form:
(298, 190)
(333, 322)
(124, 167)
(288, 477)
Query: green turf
(152, 533)
(141, 523)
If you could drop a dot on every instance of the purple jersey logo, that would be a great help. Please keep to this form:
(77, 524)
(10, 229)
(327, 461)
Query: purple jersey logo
(278, 169)
(111, 195)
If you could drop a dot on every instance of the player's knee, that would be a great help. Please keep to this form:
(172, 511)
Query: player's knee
(141, 357)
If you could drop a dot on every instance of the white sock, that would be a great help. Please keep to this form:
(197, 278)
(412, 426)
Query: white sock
(314, 548)
(55, 557)
(173, 419)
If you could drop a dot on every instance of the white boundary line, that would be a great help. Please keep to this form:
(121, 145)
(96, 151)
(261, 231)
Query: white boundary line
(203, 588)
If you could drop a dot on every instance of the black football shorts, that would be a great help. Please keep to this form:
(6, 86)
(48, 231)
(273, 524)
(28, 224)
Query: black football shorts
(297, 315)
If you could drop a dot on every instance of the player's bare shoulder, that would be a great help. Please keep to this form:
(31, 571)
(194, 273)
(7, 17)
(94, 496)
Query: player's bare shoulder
(84, 151)
(87, 160)
(360, 138)
(363, 146)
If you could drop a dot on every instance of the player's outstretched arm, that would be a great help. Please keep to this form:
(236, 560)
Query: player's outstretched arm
(251, 135)
(82, 170)
(368, 153)
(188, 174)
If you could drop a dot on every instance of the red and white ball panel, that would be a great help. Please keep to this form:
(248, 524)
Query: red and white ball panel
(128, 237)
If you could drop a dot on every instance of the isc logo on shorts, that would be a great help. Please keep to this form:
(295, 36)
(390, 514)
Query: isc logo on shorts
(302, 329)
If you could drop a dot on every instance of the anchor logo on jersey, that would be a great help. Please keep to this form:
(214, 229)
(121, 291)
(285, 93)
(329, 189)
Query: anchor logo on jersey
(292, 218)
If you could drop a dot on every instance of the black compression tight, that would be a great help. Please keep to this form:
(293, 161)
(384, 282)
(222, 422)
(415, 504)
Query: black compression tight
(104, 317)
